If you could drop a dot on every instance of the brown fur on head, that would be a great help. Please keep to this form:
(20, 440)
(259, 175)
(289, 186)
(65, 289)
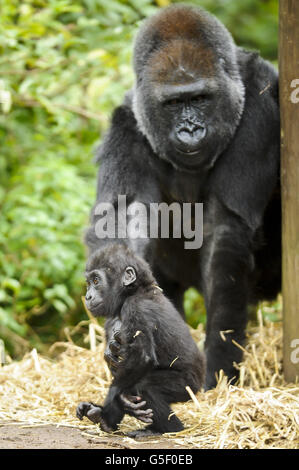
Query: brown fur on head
(192, 25)
(178, 21)
(181, 61)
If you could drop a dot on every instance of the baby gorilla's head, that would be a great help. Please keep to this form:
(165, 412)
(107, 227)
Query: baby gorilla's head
(112, 274)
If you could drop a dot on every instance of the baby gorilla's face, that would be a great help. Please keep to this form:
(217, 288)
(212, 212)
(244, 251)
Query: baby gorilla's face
(97, 290)
(107, 289)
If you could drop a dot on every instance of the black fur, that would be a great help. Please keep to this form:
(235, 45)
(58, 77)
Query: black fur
(232, 122)
(158, 355)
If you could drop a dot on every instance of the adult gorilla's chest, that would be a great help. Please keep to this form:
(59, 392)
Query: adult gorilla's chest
(171, 257)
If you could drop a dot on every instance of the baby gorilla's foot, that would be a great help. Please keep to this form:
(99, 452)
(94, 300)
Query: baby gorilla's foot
(90, 410)
(134, 406)
(93, 413)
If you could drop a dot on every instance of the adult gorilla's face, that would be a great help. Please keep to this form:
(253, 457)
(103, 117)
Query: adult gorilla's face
(188, 101)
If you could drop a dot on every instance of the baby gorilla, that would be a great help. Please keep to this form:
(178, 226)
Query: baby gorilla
(158, 355)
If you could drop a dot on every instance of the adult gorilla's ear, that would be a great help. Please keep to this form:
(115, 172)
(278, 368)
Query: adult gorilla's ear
(129, 276)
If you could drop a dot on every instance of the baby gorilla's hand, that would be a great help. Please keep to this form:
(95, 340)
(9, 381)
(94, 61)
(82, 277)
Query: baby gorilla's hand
(134, 406)
(112, 354)
(93, 413)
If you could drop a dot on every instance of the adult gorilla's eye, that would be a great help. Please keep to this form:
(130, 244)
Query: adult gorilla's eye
(172, 102)
(199, 98)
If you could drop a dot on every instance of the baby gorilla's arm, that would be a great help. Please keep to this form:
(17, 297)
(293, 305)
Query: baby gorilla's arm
(113, 351)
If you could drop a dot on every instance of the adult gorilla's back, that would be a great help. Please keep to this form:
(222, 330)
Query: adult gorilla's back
(201, 125)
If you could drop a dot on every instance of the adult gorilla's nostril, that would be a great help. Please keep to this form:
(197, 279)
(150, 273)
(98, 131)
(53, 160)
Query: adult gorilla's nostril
(199, 132)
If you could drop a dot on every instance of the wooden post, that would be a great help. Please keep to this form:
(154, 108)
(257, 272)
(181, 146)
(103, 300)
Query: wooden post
(289, 104)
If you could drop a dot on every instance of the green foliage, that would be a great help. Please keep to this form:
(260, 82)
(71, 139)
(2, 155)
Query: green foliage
(64, 64)
(41, 254)
(194, 307)
(253, 23)
(271, 311)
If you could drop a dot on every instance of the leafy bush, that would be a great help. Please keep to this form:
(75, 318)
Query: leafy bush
(41, 254)
(253, 23)
(63, 66)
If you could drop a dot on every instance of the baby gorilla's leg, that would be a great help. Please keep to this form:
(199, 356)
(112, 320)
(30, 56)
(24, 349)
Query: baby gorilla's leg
(162, 417)
(159, 389)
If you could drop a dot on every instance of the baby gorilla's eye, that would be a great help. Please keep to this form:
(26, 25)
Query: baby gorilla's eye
(96, 281)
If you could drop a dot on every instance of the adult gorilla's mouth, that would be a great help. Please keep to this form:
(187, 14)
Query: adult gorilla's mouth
(188, 153)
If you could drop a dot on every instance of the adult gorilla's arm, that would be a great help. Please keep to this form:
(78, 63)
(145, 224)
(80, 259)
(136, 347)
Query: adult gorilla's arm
(226, 264)
(124, 158)
(247, 173)
(241, 187)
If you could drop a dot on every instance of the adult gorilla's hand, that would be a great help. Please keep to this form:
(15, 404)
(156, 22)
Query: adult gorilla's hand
(112, 354)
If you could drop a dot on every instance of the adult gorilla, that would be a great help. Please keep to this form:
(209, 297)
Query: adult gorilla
(201, 125)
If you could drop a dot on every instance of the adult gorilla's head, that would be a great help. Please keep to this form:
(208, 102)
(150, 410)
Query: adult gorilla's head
(188, 97)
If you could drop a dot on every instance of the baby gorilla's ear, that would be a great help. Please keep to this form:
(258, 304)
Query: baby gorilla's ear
(129, 276)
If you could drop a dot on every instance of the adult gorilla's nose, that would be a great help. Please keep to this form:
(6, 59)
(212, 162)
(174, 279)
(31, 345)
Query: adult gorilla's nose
(187, 138)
